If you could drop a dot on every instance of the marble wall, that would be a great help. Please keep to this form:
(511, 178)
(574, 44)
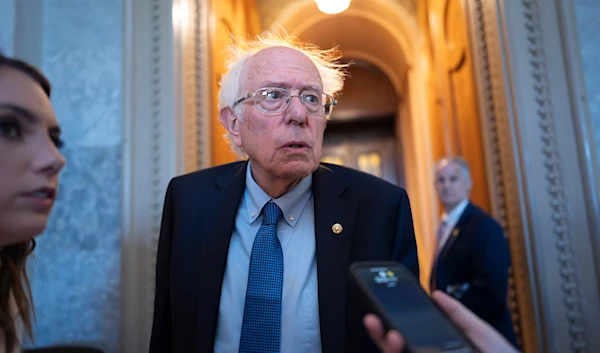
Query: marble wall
(7, 26)
(77, 265)
(587, 13)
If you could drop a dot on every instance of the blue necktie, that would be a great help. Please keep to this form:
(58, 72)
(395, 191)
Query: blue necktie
(261, 327)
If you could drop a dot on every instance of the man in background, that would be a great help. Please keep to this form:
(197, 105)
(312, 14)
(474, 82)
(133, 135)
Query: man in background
(472, 257)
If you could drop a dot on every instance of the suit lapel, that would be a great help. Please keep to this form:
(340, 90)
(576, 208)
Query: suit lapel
(215, 238)
(333, 254)
(456, 232)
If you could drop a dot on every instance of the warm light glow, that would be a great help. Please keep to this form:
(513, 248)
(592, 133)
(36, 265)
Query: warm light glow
(180, 13)
(332, 7)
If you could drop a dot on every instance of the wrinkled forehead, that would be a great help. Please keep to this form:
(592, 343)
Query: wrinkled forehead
(281, 64)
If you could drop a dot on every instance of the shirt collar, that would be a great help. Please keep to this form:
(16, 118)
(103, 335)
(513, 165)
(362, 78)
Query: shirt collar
(291, 203)
(454, 215)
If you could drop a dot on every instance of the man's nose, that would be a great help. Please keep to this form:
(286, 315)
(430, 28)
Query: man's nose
(446, 185)
(296, 112)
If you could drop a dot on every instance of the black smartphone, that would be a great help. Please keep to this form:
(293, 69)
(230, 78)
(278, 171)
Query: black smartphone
(397, 297)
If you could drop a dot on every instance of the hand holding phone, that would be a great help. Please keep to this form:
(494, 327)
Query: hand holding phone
(477, 330)
(396, 297)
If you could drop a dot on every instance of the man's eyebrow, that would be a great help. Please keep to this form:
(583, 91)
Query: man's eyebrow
(279, 84)
(310, 88)
(20, 111)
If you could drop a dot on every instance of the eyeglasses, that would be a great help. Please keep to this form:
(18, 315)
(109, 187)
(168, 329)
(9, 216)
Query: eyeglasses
(277, 100)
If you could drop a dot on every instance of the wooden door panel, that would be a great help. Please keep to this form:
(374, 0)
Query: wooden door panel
(453, 61)
(227, 17)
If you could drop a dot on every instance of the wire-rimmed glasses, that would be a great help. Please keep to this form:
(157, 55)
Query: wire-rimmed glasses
(277, 100)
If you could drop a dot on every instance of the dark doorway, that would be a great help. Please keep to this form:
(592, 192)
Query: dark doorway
(361, 133)
(368, 145)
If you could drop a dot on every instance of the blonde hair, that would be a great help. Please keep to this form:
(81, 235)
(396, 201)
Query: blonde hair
(326, 61)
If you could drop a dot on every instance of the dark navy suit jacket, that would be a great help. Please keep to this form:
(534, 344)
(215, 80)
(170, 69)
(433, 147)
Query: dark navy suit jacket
(477, 254)
(198, 220)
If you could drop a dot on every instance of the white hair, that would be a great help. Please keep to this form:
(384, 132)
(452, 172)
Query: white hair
(462, 163)
(326, 61)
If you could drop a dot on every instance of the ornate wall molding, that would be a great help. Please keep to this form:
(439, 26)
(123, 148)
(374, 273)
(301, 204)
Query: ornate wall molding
(156, 104)
(153, 124)
(555, 187)
(504, 193)
(495, 173)
(184, 23)
(202, 83)
(538, 170)
(164, 110)
(192, 68)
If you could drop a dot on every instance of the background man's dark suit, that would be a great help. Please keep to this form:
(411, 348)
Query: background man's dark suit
(477, 253)
(198, 220)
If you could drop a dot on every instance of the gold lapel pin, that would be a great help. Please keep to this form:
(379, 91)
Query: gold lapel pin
(337, 228)
(455, 232)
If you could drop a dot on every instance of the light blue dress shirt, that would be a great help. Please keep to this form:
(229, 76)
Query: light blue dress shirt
(300, 330)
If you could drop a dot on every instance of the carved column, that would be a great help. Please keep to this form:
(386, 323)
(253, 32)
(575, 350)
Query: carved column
(165, 135)
(539, 171)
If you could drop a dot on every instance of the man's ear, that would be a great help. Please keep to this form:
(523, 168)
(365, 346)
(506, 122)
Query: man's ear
(231, 123)
(469, 183)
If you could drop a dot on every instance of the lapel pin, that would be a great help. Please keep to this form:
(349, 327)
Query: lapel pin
(337, 228)
(455, 232)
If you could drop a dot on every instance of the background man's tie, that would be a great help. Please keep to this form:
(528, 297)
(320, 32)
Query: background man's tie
(436, 252)
(261, 327)
(438, 237)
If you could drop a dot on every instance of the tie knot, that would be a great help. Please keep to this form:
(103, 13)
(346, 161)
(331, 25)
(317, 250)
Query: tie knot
(271, 214)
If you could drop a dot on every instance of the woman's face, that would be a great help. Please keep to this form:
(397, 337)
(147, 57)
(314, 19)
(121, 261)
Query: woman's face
(30, 159)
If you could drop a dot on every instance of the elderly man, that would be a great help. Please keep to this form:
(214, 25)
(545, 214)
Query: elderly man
(253, 256)
(472, 257)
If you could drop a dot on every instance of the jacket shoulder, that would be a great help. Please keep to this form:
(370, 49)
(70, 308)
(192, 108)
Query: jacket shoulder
(357, 176)
(484, 219)
(365, 182)
(208, 175)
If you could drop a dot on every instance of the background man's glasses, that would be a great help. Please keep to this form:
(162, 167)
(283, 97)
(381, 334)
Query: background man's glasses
(277, 100)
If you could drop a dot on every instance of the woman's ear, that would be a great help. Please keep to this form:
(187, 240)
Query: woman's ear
(231, 123)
